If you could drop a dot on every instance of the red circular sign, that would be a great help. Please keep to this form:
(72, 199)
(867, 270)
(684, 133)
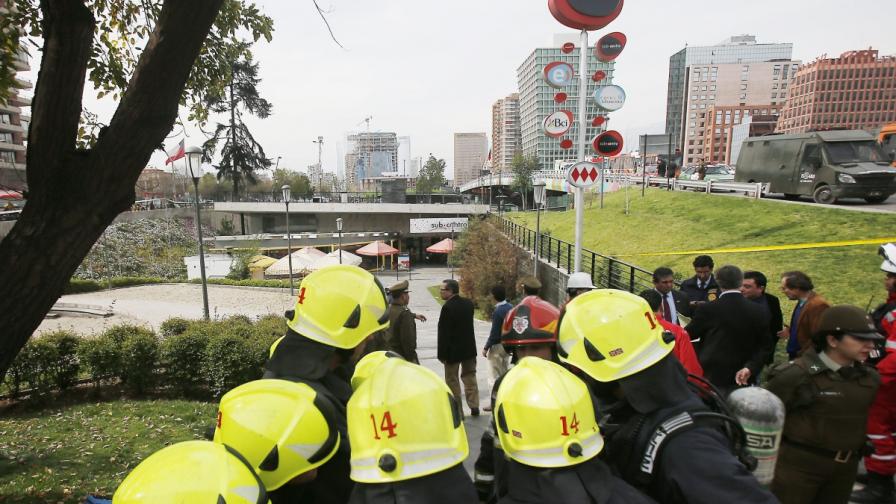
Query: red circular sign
(560, 97)
(599, 76)
(585, 14)
(566, 144)
(568, 47)
(597, 121)
(608, 143)
(610, 46)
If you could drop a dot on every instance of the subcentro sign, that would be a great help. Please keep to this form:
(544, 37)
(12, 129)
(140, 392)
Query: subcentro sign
(608, 143)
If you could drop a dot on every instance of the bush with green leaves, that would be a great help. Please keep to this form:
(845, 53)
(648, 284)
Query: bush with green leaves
(79, 286)
(100, 357)
(182, 356)
(39, 357)
(271, 326)
(174, 326)
(139, 360)
(65, 366)
(230, 360)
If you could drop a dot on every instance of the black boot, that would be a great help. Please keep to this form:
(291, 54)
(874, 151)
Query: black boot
(878, 490)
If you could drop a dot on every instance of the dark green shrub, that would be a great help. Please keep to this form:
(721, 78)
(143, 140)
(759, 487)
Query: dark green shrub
(78, 285)
(174, 326)
(100, 356)
(39, 357)
(139, 359)
(283, 284)
(66, 366)
(272, 326)
(229, 360)
(182, 356)
(238, 324)
(119, 333)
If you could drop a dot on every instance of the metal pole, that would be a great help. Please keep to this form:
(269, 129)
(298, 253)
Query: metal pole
(643, 165)
(292, 290)
(583, 130)
(201, 252)
(340, 246)
(603, 174)
(669, 163)
(537, 238)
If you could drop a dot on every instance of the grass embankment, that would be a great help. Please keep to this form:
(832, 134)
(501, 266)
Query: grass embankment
(61, 454)
(665, 221)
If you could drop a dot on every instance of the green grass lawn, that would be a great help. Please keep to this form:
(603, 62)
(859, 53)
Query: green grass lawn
(665, 221)
(434, 292)
(63, 453)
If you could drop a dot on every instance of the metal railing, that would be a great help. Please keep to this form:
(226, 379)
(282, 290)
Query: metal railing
(606, 272)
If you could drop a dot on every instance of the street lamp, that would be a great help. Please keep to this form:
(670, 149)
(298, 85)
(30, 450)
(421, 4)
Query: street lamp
(286, 196)
(500, 199)
(339, 228)
(538, 193)
(194, 163)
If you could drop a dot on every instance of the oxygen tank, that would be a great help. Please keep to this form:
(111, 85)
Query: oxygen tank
(761, 414)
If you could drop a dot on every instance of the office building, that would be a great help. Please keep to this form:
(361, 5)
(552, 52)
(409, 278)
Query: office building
(470, 152)
(506, 135)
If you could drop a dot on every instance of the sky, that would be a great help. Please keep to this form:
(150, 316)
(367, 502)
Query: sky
(429, 69)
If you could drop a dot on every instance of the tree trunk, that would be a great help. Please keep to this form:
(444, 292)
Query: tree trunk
(236, 173)
(74, 195)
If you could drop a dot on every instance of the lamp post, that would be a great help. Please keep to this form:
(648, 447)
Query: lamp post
(500, 199)
(339, 229)
(538, 193)
(194, 163)
(287, 193)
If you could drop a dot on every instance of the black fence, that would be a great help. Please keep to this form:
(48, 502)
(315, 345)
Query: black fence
(606, 272)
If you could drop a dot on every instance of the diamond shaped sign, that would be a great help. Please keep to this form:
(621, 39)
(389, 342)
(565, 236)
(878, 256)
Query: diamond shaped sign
(583, 174)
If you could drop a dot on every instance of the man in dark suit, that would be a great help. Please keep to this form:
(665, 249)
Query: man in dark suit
(754, 289)
(701, 287)
(674, 302)
(730, 334)
(457, 344)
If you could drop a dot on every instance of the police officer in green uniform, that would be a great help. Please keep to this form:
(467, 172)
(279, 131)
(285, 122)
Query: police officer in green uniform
(827, 392)
(401, 336)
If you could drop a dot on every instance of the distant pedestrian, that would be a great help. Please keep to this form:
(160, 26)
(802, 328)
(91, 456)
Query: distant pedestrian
(457, 344)
(702, 287)
(674, 302)
(494, 350)
(827, 392)
(797, 286)
(753, 289)
(730, 334)
(701, 170)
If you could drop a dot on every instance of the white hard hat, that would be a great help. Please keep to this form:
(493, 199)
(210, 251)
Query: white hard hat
(579, 281)
(888, 252)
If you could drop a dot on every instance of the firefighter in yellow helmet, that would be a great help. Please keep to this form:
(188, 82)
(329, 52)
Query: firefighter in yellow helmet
(408, 439)
(546, 423)
(662, 437)
(337, 308)
(285, 430)
(195, 472)
(366, 366)
(529, 329)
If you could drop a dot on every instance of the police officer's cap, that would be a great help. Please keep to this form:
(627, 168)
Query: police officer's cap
(530, 282)
(848, 319)
(399, 288)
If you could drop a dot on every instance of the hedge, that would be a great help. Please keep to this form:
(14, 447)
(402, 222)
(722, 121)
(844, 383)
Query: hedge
(79, 286)
(282, 284)
(188, 358)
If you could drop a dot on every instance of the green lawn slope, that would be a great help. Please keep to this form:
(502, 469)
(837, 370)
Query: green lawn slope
(665, 221)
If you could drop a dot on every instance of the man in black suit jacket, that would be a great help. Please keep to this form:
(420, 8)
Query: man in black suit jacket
(674, 302)
(457, 344)
(754, 290)
(730, 334)
(701, 287)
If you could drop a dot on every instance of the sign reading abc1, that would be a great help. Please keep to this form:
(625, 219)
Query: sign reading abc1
(585, 14)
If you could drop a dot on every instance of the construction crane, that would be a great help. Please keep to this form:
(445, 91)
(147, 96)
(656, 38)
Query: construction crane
(366, 120)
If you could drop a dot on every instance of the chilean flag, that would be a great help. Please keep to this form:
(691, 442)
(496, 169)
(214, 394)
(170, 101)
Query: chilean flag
(177, 154)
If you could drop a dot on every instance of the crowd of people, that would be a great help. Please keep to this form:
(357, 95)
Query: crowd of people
(610, 398)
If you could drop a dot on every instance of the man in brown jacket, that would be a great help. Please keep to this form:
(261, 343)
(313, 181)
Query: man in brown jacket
(797, 286)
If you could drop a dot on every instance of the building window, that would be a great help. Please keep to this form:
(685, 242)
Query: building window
(7, 156)
(743, 87)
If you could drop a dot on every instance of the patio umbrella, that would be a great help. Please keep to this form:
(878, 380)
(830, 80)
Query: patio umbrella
(300, 263)
(445, 246)
(377, 249)
(347, 257)
(310, 252)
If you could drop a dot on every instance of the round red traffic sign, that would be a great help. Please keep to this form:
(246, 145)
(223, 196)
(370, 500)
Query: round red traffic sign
(585, 14)
(610, 46)
(608, 143)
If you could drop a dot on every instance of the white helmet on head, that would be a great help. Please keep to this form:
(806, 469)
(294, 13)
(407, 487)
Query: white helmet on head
(888, 252)
(579, 281)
